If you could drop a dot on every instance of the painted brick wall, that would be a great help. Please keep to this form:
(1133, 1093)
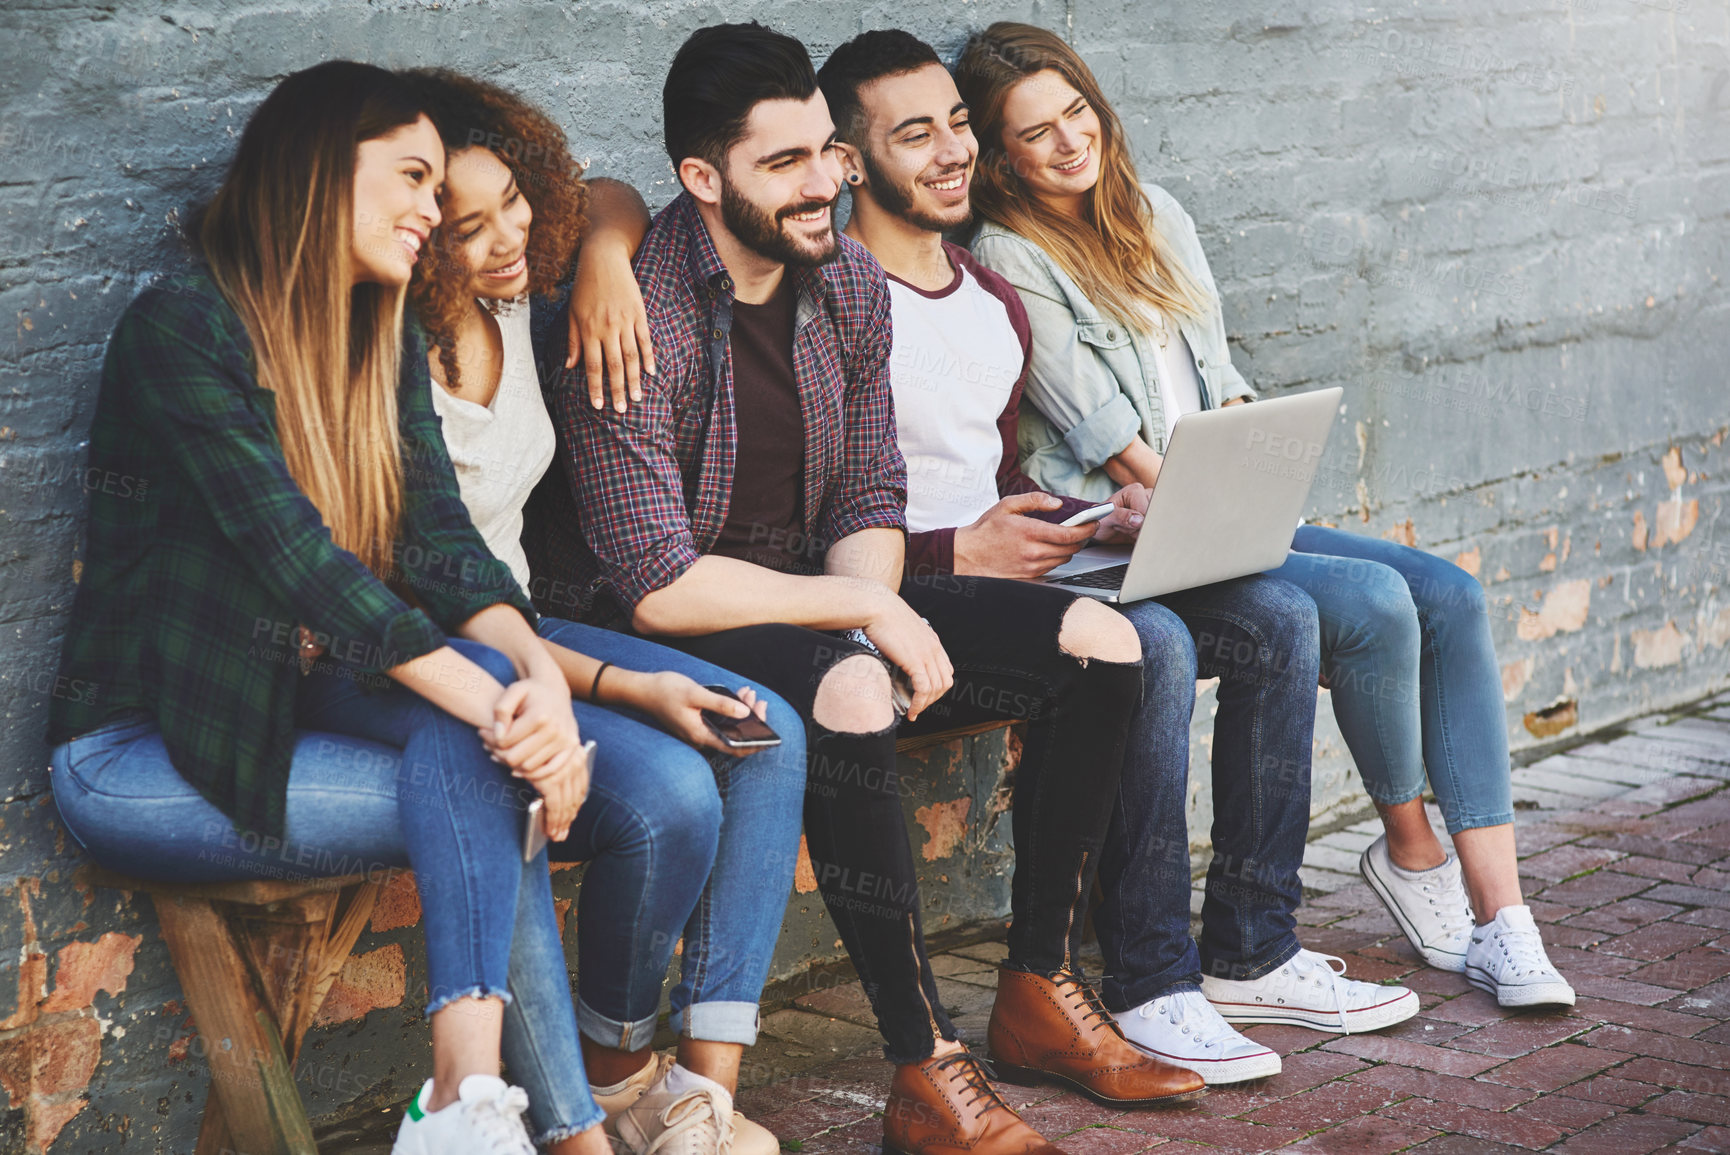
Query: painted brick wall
(1501, 227)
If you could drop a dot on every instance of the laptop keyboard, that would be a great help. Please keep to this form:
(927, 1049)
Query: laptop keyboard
(1109, 578)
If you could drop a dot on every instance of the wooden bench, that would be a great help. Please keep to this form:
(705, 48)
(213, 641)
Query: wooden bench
(255, 961)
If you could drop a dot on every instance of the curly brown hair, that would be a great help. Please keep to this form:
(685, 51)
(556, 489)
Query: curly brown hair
(471, 113)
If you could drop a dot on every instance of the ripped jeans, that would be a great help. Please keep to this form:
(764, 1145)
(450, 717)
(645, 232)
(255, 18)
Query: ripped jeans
(1002, 638)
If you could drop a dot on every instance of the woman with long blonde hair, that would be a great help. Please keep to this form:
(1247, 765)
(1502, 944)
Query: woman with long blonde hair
(1128, 336)
(303, 659)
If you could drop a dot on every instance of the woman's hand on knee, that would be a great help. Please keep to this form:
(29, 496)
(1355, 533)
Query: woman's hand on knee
(677, 703)
(532, 727)
(564, 787)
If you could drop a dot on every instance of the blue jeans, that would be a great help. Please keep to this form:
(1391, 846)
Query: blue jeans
(658, 813)
(1258, 636)
(1411, 667)
(378, 780)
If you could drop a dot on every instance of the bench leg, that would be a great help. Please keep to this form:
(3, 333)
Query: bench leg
(250, 1075)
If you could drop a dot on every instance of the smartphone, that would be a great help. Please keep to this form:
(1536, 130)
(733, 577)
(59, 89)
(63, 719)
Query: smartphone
(1089, 516)
(534, 833)
(747, 733)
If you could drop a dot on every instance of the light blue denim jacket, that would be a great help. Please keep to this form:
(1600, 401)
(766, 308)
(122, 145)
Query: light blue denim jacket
(1093, 382)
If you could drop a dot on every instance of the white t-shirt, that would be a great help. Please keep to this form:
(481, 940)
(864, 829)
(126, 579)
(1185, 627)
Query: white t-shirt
(1179, 381)
(956, 360)
(501, 450)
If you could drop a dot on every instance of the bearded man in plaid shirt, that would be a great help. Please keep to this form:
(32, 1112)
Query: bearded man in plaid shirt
(749, 509)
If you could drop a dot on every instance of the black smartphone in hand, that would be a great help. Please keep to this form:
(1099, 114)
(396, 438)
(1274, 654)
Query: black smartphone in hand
(747, 733)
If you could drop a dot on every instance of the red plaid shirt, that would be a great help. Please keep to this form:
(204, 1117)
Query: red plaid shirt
(652, 485)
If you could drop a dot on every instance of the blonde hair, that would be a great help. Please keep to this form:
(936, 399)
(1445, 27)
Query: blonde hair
(1115, 253)
(278, 238)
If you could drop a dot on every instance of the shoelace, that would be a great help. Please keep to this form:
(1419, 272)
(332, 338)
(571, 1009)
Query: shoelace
(1447, 895)
(689, 1112)
(1524, 952)
(1188, 1011)
(1304, 966)
(970, 1070)
(499, 1121)
(1076, 988)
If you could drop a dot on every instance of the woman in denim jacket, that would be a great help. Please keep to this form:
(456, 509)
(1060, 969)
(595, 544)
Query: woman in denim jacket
(1405, 636)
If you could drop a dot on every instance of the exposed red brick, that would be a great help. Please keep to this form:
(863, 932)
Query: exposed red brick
(64, 1055)
(366, 983)
(46, 1118)
(1714, 1139)
(398, 904)
(86, 967)
(945, 826)
(1643, 1018)
(15, 1068)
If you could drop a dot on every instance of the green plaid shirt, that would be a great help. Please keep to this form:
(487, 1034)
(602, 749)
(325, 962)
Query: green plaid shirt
(204, 555)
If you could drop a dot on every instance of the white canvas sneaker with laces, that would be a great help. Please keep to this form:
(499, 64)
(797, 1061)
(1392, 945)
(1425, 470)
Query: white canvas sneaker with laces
(486, 1119)
(1183, 1029)
(1429, 906)
(1307, 991)
(1506, 958)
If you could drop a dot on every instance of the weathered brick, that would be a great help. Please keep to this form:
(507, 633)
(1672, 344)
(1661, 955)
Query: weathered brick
(1500, 1126)
(1627, 1135)
(1552, 1067)
(1409, 1054)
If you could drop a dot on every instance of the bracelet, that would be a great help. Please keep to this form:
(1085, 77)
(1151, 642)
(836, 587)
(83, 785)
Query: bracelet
(596, 684)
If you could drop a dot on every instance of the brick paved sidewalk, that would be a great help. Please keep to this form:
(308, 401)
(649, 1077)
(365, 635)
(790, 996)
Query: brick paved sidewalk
(1625, 859)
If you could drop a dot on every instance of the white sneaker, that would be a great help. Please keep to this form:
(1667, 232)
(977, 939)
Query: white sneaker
(1307, 991)
(1507, 959)
(682, 1114)
(749, 1137)
(486, 1119)
(1430, 906)
(1184, 1030)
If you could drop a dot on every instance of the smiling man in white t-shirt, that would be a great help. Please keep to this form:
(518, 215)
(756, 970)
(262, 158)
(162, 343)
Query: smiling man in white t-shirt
(960, 356)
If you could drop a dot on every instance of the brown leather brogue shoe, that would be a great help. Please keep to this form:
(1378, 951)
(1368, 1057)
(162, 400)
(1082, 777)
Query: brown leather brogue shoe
(1044, 1029)
(946, 1106)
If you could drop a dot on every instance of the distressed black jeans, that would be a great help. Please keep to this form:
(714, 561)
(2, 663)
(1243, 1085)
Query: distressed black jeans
(1002, 638)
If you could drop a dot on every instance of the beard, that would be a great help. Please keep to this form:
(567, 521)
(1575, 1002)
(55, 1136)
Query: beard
(765, 233)
(897, 200)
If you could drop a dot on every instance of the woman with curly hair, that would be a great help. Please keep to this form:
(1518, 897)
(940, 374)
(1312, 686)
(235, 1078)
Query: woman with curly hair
(658, 814)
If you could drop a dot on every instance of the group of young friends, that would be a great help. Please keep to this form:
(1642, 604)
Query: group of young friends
(425, 370)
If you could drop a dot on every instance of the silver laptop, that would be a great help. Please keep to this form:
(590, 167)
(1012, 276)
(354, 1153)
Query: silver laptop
(1232, 488)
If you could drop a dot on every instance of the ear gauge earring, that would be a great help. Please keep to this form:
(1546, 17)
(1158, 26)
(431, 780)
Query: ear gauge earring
(852, 178)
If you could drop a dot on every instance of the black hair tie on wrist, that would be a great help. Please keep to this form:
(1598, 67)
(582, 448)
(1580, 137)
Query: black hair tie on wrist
(595, 685)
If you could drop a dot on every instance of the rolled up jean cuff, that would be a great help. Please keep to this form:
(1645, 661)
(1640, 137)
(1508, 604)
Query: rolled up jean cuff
(560, 1134)
(613, 1033)
(719, 1022)
(475, 992)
